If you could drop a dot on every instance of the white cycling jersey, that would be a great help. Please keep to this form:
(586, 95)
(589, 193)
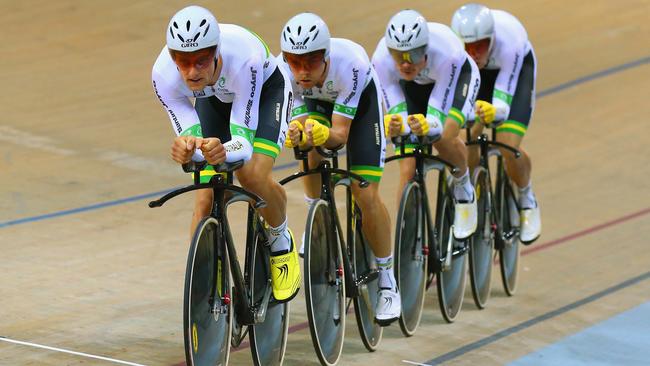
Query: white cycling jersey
(349, 73)
(445, 57)
(511, 45)
(247, 64)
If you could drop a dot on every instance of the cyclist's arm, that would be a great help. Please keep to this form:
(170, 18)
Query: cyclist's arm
(179, 108)
(388, 75)
(245, 108)
(506, 81)
(439, 109)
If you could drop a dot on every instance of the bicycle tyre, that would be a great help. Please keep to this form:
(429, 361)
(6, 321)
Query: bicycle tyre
(411, 258)
(363, 262)
(207, 334)
(324, 284)
(482, 242)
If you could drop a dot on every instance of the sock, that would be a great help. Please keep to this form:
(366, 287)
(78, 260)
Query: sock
(310, 201)
(527, 197)
(280, 239)
(386, 275)
(463, 190)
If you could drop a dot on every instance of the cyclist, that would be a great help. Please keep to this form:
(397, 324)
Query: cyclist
(429, 84)
(337, 102)
(242, 103)
(499, 44)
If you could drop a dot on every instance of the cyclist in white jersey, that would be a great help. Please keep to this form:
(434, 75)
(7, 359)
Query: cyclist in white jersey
(430, 84)
(499, 44)
(337, 102)
(242, 104)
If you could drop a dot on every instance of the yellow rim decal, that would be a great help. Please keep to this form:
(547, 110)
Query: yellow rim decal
(195, 338)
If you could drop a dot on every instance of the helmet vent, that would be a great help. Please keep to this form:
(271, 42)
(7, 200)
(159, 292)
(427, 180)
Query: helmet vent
(415, 26)
(196, 36)
(299, 29)
(409, 39)
(312, 28)
(171, 32)
(305, 41)
(284, 35)
(315, 35)
(206, 30)
(202, 23)
(181, 38)
(292, 42)
(418, 33)
(175, 25)
(396, 39)
(188, 25)
(403, 28)
(391, 27)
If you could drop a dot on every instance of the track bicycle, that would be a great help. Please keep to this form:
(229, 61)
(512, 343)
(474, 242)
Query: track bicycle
(337, 272)
(221, 302)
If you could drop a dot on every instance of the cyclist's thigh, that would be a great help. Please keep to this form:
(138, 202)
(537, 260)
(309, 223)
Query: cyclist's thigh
(416, 95)
(214, 116)
(488, 79)
(273, 115)
(467, 85)
(366, 143)
(523, 101)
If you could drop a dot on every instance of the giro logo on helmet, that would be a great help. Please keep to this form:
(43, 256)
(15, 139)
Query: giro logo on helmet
(189, 43)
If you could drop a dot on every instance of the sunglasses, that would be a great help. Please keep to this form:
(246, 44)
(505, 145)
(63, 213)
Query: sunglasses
(308, 61)
(414, 56)
(199, 59)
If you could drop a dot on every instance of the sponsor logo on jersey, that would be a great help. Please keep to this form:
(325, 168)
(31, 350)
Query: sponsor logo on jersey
(355, 84)
(234, 145)
(249, 105)
(448, 90)
(277, 112)
(512, 72)
(198, 94)
(171, 113)
(329, 85)
(221, 82)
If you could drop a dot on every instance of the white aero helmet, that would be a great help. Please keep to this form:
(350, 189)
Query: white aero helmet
(304, 33)
(191, 29)
(407, 30)
(473, 22)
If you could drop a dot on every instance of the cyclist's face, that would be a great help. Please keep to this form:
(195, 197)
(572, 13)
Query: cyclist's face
(197, 68)
(307, 69)
(407, 70)
(479, 51)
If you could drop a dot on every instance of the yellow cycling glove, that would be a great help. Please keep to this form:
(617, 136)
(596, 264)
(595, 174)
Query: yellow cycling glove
(319, 132)
(303, 137)
(420, 120)
(387, 122)
(489, 112)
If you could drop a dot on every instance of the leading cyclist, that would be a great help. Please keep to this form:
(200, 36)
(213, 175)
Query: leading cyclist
(333, 80)
(242, 103)
(499, 44)
(429, 84)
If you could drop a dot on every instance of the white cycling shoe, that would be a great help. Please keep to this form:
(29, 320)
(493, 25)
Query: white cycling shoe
(301, 251)
(465, 218)
(389, 307)
(531, 225)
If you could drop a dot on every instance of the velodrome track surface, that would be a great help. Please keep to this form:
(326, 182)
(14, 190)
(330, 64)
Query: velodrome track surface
(87, 267)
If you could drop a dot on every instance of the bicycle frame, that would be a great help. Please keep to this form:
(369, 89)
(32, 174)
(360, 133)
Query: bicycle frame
(224, 194)
(327, 169)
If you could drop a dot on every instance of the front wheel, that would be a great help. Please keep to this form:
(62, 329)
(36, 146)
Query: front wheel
(451, 279)
(482, 242)
(324, 284)
(410, 258)
(207, 309)
(268, 338)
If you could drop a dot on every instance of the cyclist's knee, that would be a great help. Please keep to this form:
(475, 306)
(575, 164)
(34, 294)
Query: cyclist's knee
(203, 203)
(367, 198)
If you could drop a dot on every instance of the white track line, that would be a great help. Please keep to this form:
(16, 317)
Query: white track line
(414, 363)
(4, 339)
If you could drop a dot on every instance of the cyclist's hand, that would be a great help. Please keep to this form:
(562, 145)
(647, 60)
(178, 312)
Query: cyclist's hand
(183, 148)
(393, 125)
(212, 149)
(316, 132)
(418, 124)
(294, 135)
(485, 112)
